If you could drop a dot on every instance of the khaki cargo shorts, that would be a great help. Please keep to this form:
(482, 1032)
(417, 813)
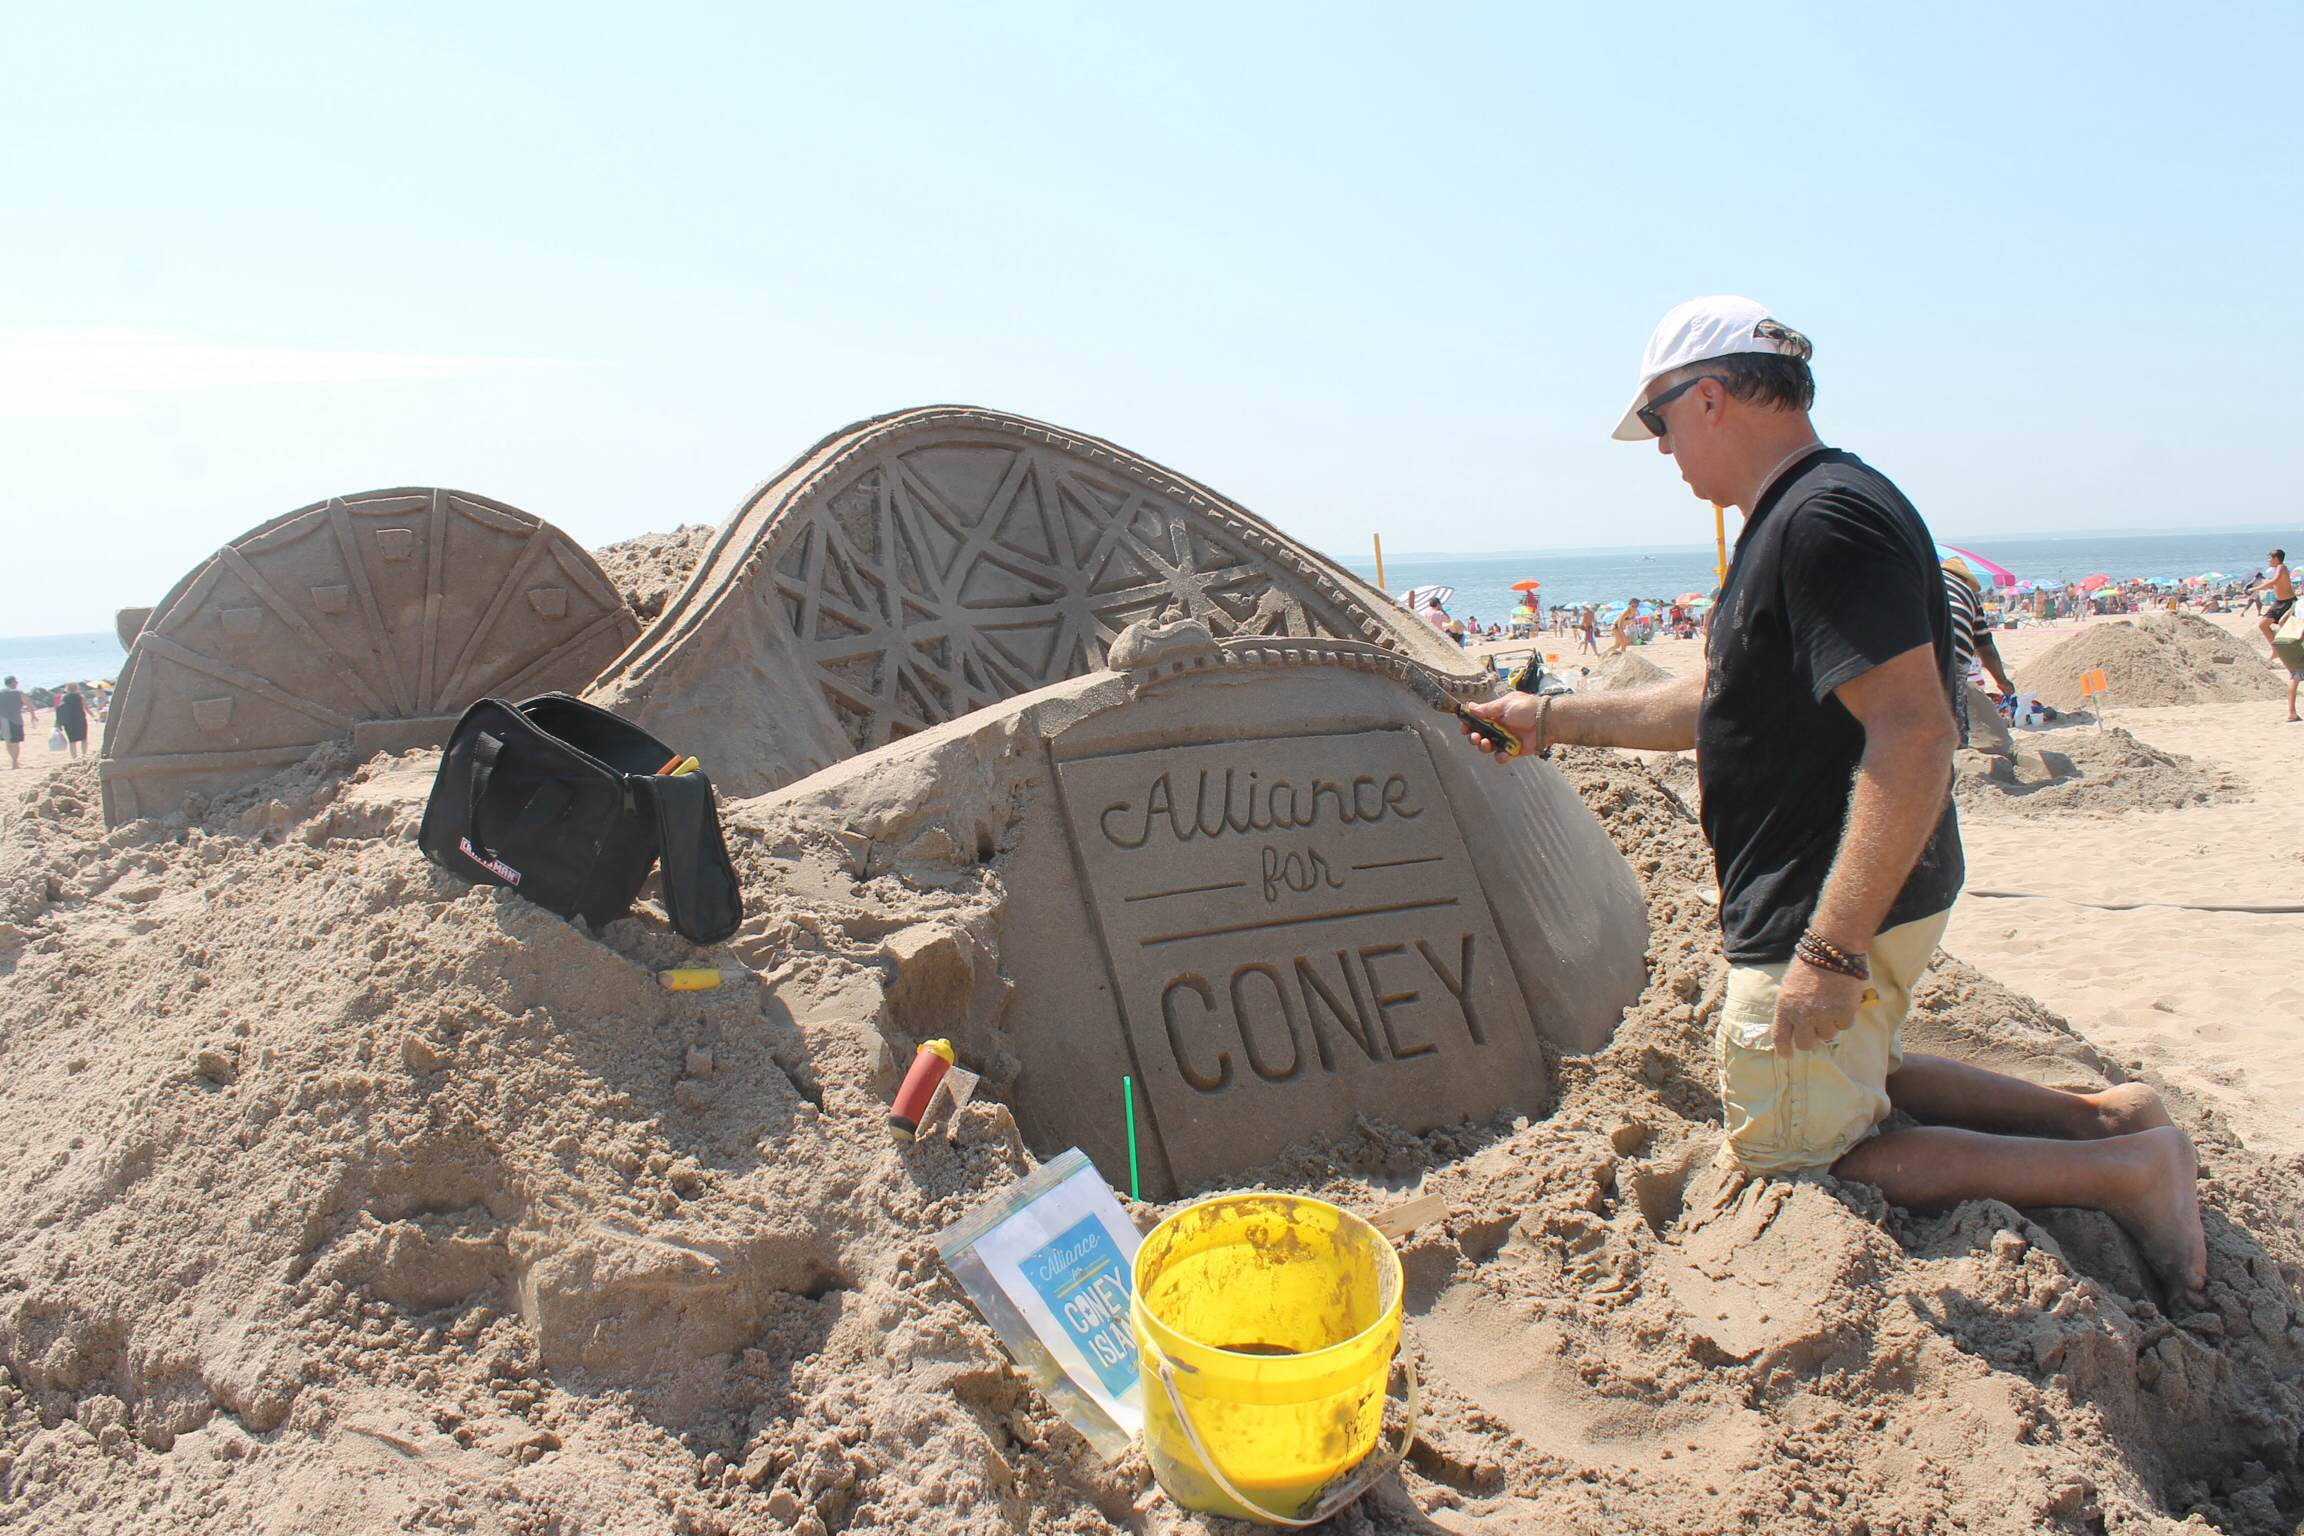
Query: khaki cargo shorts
(1785, 1115)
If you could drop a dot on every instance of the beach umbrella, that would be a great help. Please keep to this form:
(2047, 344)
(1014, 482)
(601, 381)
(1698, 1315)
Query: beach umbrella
(1988, 574)
(1688, 599)
(2214, 576)
(1419, 597)
(1526, 586)
(2092, 582)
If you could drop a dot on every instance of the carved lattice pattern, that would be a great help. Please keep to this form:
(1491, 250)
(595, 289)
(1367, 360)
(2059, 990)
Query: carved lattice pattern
(947, 578)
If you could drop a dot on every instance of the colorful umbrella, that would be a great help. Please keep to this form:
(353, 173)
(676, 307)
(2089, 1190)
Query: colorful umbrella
(2092, 582)
(1687, 598)
(1418, 597)
(1526, 586)
(1999, 575)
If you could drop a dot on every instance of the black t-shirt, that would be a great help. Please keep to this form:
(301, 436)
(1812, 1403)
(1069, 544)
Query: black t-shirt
(1834, 574)
(72, 715)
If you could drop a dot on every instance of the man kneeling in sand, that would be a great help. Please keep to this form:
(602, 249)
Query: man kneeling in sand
(1823, 733)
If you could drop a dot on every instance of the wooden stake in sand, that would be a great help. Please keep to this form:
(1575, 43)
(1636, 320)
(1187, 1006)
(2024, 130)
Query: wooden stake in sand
(1379, 538)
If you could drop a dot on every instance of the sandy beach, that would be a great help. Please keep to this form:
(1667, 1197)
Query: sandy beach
(344, 1195)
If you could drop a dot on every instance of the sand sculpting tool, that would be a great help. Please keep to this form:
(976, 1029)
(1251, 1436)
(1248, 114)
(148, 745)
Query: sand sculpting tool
(1428, 688)
(929, 1064)
(1128, 1100)
(1407, 1216)
(695, 978)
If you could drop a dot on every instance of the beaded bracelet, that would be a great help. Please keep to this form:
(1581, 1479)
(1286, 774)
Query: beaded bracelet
(1812, 948)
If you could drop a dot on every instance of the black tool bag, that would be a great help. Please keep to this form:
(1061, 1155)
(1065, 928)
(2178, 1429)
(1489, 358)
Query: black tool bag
(570, 806)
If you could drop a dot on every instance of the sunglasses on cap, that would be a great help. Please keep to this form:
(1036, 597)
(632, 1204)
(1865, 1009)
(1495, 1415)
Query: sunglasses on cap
(1651, 415)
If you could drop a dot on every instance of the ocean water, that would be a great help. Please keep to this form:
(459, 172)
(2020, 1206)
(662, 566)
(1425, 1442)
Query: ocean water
(1483, 583)
(44, 661)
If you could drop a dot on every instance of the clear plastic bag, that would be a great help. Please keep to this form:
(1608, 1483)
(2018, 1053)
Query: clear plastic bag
(1051, 1266)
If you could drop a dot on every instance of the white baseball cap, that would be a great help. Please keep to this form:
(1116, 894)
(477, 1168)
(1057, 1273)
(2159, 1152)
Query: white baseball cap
(1697, 332)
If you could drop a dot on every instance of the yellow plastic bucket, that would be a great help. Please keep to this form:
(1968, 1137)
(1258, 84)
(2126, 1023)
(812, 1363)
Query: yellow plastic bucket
(1267, 1325)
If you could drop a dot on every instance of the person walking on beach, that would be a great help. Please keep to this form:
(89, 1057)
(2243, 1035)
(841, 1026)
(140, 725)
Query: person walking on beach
(1823, 733)
(1588, 632)
(12, 708)
(72, 720)
(2283, 589)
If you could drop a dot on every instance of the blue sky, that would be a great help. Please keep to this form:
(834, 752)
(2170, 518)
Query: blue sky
(1361, 268)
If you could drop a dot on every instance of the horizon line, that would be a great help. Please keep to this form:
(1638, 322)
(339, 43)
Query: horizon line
(1981, 541)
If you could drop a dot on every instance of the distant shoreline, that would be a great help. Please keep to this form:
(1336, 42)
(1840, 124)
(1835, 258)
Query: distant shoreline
(1984, 541)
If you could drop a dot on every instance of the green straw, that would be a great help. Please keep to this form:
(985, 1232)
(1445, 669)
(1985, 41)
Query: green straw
(1128, 1097)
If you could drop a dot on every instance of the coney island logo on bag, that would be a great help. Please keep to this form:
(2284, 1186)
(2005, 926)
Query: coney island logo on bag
(496, 867)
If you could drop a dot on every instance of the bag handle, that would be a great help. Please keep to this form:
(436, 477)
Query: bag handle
(701, 895)
(486, 749)
(1371, 1470)
(548, 803)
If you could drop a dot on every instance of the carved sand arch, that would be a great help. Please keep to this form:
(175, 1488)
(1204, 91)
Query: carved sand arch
(375, 618)
(915, 567)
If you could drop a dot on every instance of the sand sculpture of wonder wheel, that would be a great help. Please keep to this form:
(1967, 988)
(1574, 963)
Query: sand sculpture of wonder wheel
(918, 566)
(374, 618)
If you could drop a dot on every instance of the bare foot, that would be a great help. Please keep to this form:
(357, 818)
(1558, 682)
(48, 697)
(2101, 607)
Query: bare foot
(2126, 1108)
(2163, 1214)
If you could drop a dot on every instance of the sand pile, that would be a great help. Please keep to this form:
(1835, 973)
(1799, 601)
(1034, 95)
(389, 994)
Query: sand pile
(2090, 772)
(651, 569)
(344, 1197)
(2165, 659)
(1628, 669)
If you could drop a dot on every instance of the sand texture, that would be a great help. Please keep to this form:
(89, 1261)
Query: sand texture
(650, 570)
(346, 1197)
(2155, 660)
(2086, 770)
(1629, 669)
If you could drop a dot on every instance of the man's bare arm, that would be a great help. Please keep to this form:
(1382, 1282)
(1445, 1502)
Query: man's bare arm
(1988, 652)
(1658, 718)
(1899, 796)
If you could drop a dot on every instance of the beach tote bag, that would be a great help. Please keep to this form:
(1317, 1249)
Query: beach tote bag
(56, 739)
(571, 806)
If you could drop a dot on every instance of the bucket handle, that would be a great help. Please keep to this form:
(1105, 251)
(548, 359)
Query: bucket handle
(1370, 1471)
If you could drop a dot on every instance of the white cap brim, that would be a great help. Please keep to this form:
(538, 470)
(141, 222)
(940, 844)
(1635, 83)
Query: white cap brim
(1632, 429)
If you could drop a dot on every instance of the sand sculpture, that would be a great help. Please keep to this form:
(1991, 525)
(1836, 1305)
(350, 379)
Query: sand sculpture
(373, 618)
(1264, 878)
(920, 565)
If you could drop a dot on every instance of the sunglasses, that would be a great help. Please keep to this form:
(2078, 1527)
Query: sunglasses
(1651, 414)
